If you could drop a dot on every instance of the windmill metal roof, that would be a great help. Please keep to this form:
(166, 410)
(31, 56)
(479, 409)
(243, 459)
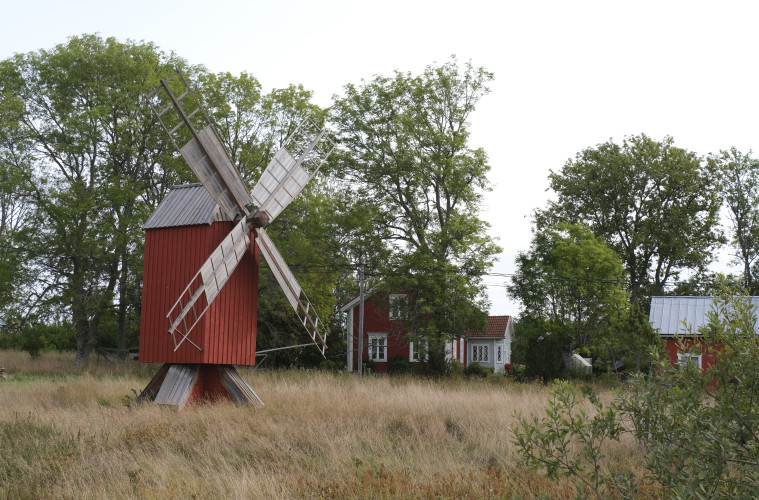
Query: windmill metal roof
(670, 315)
(186, 205)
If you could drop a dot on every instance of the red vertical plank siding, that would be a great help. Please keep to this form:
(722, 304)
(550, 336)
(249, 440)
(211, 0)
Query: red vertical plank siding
(377, 320)
(227, 332)
(146, 317)
(708, 358)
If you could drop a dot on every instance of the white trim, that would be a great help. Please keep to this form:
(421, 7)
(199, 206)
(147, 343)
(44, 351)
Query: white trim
(393, 301)
(684, 357)
(380, 347)
(411, 345)
(353, 303)
(450, 349)
(349, 341)
(479, 352)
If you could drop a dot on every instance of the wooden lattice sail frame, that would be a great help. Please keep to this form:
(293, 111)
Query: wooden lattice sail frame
(304, 152)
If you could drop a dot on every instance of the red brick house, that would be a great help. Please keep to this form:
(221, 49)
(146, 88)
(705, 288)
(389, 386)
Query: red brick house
(386, 335)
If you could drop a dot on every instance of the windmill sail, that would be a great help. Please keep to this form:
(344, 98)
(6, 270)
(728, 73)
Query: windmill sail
(203, 152)
(304, 152)
(280, 183)
(209, 160)
(206, 284)
(293, 291)
(291, 168)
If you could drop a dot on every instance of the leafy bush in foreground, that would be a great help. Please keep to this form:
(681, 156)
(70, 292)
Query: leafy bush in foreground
(699, 429)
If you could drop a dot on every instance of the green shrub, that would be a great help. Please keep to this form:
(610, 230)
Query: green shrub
(700, 428)
(519, 372)
(399, 365)
(544, 358)
(40, 337)
(328, 365)
(474, 369)
(550, 443)
(456, 368)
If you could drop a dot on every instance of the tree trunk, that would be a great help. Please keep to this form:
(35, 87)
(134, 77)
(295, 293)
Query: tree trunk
(83, 344)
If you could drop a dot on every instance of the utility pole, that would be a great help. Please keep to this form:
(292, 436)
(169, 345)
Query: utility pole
(361, 316)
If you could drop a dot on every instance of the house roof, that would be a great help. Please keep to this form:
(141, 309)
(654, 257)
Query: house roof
(496, 328)
(670, 315)
(354, 302)
(185, 205)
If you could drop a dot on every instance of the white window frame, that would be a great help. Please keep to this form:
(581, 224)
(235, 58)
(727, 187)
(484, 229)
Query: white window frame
(480, 353)
(499, 353)
(413, 351)
(377, 345)
(683, 358)
(450, 350)
(398, 306)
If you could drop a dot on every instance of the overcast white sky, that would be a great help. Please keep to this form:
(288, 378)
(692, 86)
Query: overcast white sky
(568, 75)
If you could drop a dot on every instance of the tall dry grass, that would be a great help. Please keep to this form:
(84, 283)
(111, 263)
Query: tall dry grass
(68, 432)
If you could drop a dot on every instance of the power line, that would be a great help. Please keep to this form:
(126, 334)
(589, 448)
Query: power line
(583, 280)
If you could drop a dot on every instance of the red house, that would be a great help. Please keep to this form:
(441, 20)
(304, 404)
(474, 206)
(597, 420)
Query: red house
(680, 318)
(386, 335)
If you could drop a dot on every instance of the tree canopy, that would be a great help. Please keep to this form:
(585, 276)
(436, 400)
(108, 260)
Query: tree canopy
(572, 284)
(405, 140)
(93, 162)
(738, 183)
(651, 201)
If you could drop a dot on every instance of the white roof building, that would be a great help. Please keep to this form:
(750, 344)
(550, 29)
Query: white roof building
(670, 315)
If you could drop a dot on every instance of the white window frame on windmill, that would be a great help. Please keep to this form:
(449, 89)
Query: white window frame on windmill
(398, 306)
(377, 347)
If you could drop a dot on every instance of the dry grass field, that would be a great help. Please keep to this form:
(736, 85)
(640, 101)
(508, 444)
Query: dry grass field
(68, 432)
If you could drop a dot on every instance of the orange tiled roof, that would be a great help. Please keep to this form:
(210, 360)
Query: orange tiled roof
(496, 327)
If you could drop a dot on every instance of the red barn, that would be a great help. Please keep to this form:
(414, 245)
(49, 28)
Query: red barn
(679, 318)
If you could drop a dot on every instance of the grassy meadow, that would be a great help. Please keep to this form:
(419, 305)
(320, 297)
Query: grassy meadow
(76, 432)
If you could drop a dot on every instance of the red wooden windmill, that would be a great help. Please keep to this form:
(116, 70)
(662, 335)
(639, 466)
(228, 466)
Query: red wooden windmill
(202, 246)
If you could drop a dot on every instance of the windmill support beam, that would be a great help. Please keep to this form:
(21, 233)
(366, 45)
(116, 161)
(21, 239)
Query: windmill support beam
(180, 385)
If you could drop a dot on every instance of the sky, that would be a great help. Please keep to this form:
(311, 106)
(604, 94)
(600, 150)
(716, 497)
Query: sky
(568, 75)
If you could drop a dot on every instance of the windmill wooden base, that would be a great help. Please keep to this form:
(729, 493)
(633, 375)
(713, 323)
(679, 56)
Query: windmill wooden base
(178, 384)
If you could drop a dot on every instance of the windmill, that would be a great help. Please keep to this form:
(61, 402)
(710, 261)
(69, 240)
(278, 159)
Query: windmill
(211, 323)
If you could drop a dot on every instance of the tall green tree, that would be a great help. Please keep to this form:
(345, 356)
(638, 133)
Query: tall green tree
(652, 202)
(573, 284)
(407, 156)
(15, 203)
(253, 126)
(738, 183)
(99, 161)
